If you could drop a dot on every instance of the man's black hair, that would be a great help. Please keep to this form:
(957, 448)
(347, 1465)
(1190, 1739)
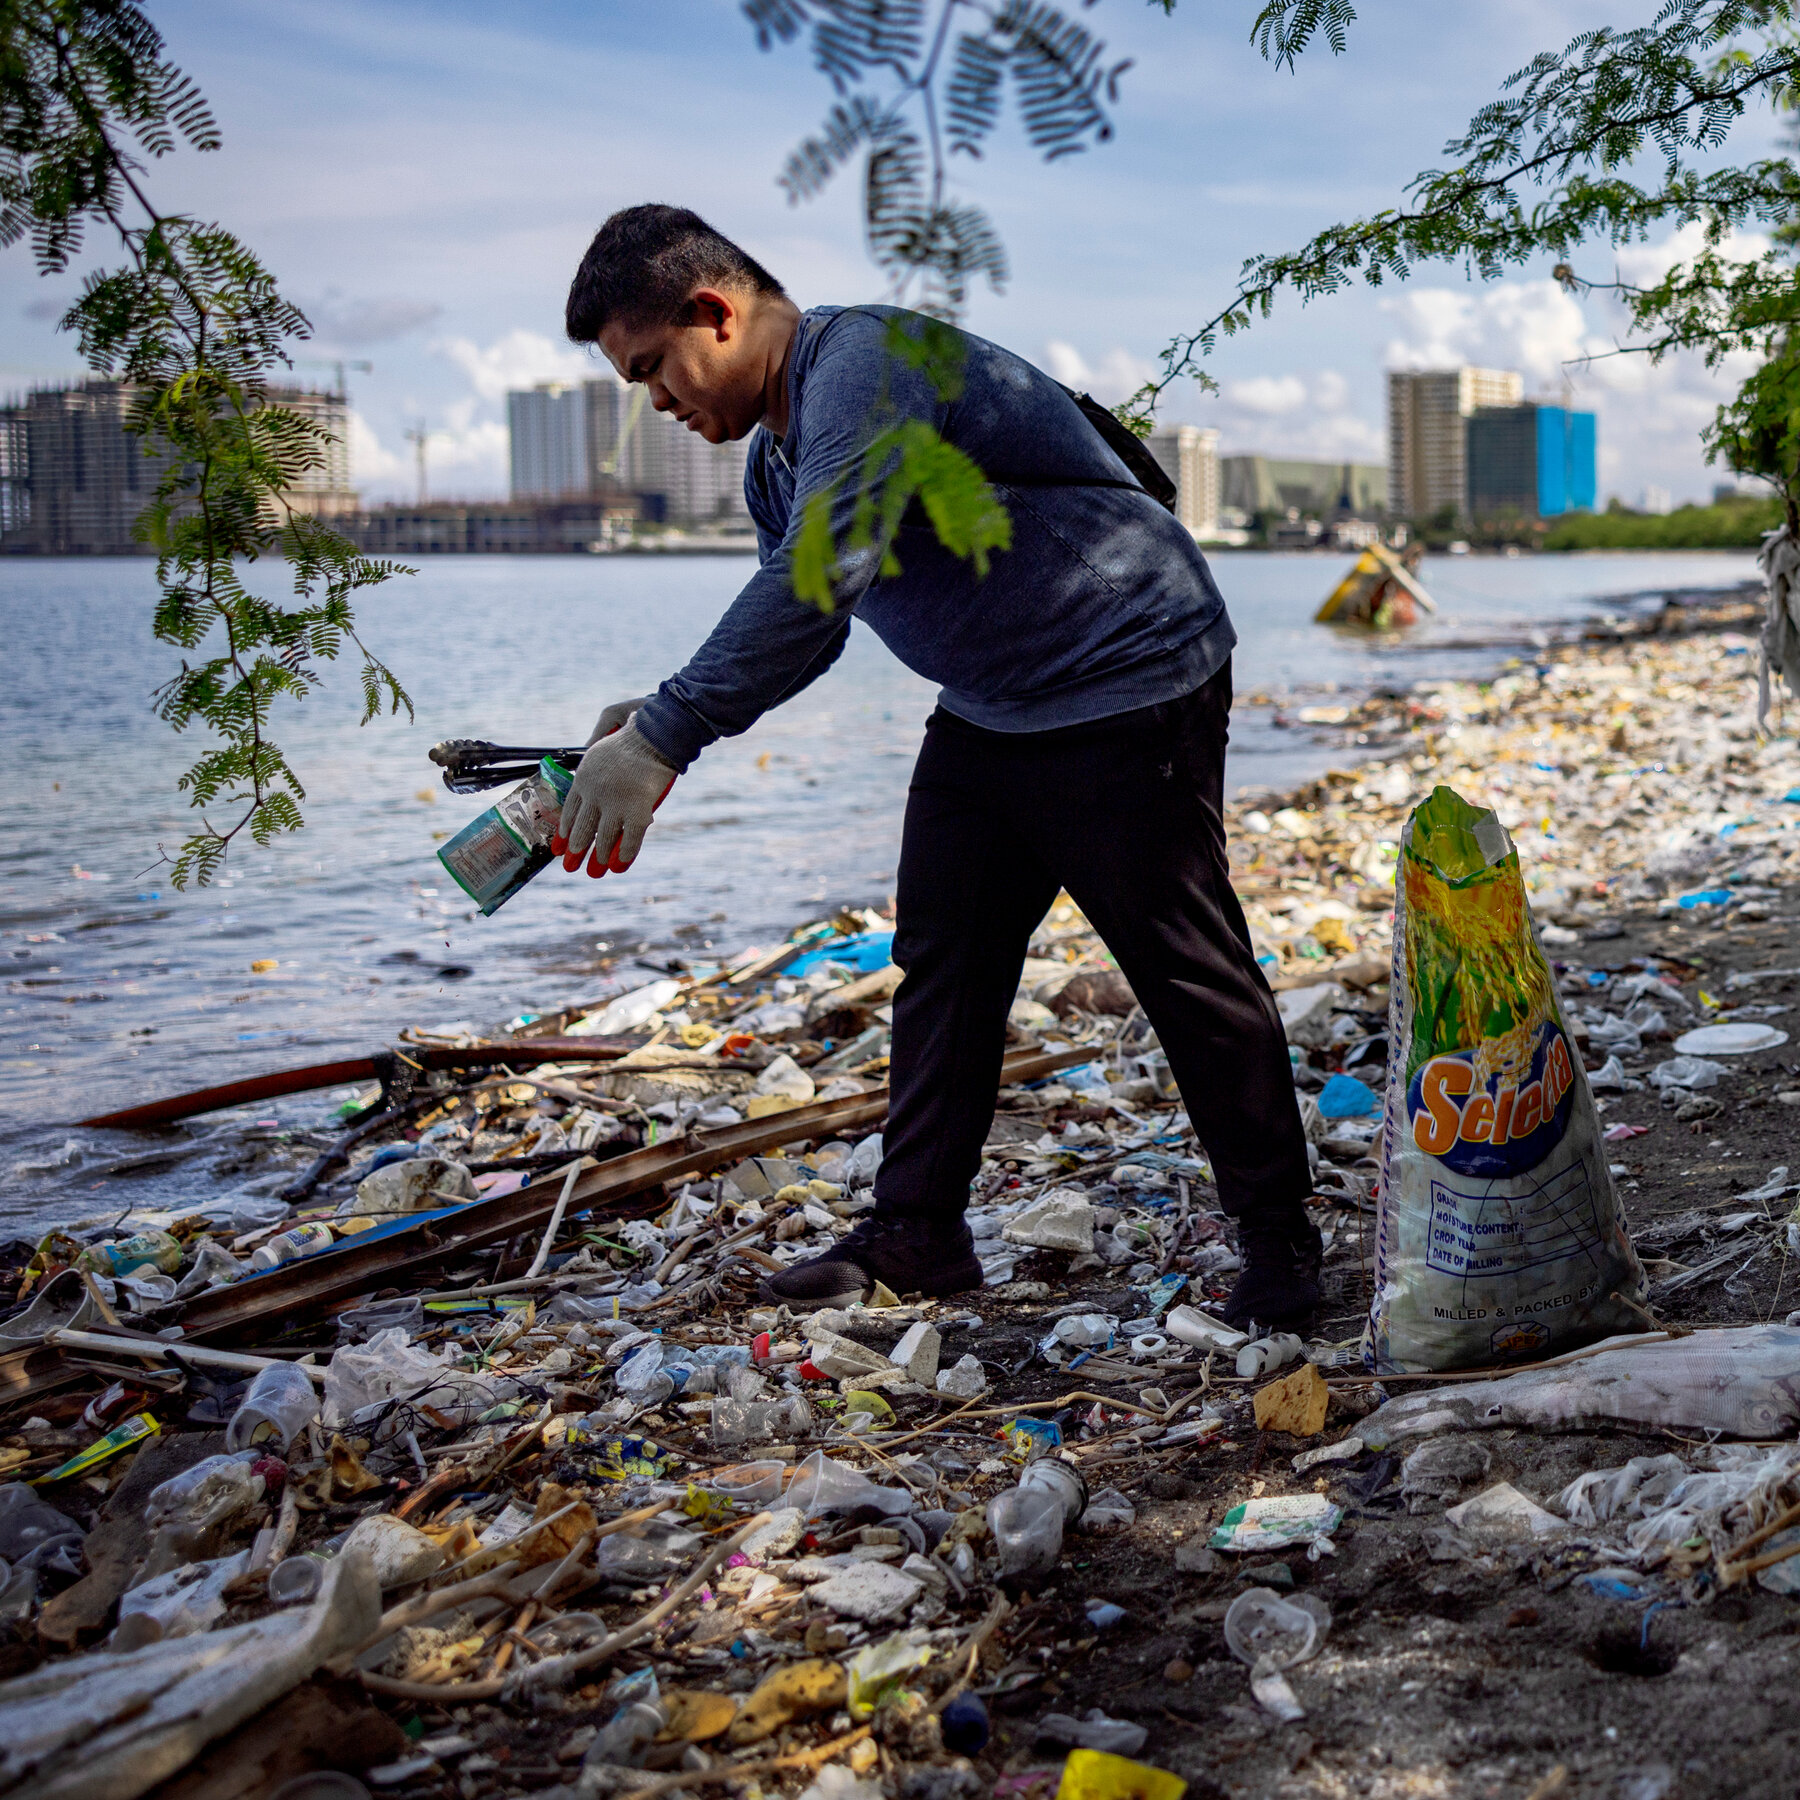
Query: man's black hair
(643, 264)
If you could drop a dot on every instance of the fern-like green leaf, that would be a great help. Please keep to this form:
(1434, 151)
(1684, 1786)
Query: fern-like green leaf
(195, 325)
(815, 555)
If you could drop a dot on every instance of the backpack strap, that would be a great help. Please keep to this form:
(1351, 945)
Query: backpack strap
(1148, 475)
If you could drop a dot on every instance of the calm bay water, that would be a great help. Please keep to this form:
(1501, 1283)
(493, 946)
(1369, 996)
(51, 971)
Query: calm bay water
(118, 988)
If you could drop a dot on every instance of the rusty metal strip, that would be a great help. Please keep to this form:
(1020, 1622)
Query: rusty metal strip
(518, 1053)
(304, 1289)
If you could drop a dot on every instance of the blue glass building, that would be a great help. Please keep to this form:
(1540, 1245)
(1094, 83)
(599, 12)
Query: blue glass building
(1530, 461)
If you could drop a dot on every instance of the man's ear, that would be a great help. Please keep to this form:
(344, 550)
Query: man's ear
(714, 310)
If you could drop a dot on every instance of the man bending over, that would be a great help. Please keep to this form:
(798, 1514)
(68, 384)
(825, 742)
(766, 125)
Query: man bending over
(1078, 741)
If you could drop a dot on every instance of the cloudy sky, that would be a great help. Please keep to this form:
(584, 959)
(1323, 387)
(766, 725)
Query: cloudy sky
(423, 179)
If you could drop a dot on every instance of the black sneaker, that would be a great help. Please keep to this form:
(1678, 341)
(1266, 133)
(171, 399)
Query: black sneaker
(908, 1255)
(1279, 1288)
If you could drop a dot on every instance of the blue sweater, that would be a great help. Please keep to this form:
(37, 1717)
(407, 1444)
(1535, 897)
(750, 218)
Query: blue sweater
(1102, 605)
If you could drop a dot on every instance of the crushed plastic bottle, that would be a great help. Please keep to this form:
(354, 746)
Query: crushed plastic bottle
(625, 1739)
(214, 1266)
(212, 1491)
(1027, 1523)
(282, 1401)
(152, 1249)
(758, 1421)
(1052, 1475)
(32, 1531)
(626, 1557)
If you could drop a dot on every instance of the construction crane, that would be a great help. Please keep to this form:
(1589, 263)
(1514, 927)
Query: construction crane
(612, 464)
(339, 366)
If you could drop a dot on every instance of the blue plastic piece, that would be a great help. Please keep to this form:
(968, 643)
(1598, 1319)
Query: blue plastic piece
(1705, 897)
(1344, 1097)
(866, 952)
(1162, 1292)
(1610, 1587)
(965, 1726)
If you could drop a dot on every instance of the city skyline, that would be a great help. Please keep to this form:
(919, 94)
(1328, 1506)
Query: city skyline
(423, 182)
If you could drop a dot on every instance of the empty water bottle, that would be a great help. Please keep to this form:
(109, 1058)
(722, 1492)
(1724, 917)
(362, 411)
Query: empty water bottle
(652, 1552)
(212, 1491)
(281, 1403)
(1054, 1476)
(290, 1246)
(758, 1421)
(1027, 1523)
(625, 1739)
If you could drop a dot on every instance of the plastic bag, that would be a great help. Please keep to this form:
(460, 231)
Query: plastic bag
(823, 1486)
(1499, 1237)
(388, 1367)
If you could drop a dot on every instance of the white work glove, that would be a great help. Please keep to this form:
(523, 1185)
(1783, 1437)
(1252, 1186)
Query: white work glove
(619, 785)
(616, 717)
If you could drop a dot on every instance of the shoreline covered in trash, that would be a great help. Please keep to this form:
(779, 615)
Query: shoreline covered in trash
(537, 1496)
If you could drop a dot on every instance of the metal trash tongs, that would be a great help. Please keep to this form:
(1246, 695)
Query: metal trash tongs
(472, 764)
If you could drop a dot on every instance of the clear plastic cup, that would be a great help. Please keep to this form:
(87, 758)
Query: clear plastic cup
(296, 1580)
(281, 1403)
(1275, 1630)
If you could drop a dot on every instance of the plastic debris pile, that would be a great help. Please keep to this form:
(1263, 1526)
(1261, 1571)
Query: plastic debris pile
(579, 1513)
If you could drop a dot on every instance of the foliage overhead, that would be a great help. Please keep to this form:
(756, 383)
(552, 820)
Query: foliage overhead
(1618, 134)
(193, 324)
(906, 460)
(921, 81)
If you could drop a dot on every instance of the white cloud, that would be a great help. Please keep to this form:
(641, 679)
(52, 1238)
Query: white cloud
(1535, 327)
(518, 360)
(1274, 415)
(1293, 415)
(1644, 263)
(1650, 414)
(466, 440)
(1117, 375)
(371, 462)
(1272, 394)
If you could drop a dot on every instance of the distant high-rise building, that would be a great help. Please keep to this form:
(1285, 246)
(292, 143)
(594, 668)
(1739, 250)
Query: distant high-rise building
(1189, 457)
(546, 428)
(598, 436)
(1266, 485)
(1427, 437)
(74, 479)
(1530, 461)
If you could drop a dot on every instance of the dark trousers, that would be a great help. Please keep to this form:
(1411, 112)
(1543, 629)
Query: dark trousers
(1124, 813)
